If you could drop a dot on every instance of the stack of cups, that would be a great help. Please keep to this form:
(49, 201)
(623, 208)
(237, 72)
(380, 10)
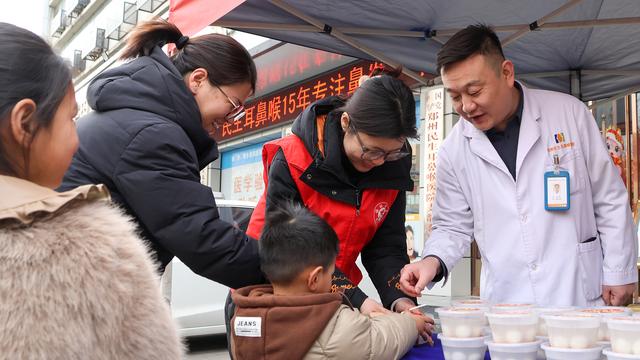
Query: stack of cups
(572, 335)
(606, 312)
(462, 333)
(542, 334)
(514, 328)
(625, 338)
(475, 303)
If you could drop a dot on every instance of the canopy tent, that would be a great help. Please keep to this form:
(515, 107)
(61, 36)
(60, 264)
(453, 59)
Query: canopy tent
(590, 48)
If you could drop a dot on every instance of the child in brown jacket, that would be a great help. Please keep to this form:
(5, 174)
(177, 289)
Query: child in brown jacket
(298, 317)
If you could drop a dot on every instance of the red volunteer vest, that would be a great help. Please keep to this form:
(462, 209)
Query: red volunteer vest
(354, 230)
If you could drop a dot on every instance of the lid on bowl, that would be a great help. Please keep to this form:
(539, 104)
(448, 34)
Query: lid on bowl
(511, 314)
(460, 311)
(606, 310)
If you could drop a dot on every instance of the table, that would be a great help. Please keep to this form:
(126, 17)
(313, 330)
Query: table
(424, 351)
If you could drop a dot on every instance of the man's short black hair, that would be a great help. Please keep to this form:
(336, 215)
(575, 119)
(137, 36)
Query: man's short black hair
(294, 239)
(474, 39)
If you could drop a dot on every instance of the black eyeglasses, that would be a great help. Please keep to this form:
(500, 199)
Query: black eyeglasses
(372, 155)
(237, 112)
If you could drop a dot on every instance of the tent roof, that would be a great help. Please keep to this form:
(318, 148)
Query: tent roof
(594, 44)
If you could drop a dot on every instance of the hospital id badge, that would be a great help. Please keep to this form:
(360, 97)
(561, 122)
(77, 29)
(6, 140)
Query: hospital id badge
(557, 191)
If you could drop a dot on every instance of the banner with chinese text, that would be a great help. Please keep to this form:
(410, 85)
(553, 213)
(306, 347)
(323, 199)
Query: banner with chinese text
(285, 105)
(432, 138)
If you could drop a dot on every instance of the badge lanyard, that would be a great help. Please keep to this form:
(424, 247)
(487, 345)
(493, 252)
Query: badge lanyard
(557, 188)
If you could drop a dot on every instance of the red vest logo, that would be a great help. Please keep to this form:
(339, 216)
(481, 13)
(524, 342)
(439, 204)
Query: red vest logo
(380, 211)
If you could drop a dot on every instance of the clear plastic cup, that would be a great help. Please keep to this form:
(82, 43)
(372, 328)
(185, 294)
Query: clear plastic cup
(473, 303)
(522, 351)
(542, 325)
(573, 330)
(625, 334)
(461, 322)
(463, 349)
(555, 353)
(606, 312)
(617, 356)
(513, 326)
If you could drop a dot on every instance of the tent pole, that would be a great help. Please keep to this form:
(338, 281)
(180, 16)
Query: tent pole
(346, 39)
(540, 22)
(560, 25)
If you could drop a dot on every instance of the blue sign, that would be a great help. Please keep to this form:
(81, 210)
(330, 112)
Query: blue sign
(246, 155)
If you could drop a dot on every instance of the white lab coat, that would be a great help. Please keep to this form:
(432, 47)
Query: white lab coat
(530, 254)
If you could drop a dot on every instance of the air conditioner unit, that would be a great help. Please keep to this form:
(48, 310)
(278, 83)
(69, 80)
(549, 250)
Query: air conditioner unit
(79, 64)
(99, 47)
(129, 21)
(151, 5)
(59, 23)
(78, 7)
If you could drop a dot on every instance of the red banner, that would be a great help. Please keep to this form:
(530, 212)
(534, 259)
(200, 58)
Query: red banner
(286, 104)
(191, 16)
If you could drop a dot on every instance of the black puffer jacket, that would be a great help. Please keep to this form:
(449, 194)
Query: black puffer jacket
(386, 254)
(145, 142)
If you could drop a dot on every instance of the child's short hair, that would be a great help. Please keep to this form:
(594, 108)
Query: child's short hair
(294, 239)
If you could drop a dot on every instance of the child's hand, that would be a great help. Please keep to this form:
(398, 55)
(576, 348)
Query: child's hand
(424, 324)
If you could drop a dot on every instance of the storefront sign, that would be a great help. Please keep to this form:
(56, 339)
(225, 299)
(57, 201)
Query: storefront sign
(286, 104)
(433, 136)
(242, 173)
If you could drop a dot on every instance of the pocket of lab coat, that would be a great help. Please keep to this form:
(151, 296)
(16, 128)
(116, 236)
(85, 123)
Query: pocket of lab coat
(591, 257)
(571, 161)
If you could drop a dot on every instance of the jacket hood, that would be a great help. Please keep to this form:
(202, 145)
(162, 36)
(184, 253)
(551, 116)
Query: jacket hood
(23, 202)
(304, 317)
(390, 175)
(153, 84)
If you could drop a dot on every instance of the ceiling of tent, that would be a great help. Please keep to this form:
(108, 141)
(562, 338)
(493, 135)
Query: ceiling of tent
(601, 56)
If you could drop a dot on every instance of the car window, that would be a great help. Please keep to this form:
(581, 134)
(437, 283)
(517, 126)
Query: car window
(238, 216)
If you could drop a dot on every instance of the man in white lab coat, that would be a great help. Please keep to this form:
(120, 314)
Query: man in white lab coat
(493, 172)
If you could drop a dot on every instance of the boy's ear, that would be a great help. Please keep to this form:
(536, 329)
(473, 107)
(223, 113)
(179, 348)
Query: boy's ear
(313, 281)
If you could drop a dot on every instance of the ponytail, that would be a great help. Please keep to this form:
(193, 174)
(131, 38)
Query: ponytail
(148, 35)
(225, 59)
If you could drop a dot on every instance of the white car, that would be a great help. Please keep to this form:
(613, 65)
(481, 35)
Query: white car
(197, 303)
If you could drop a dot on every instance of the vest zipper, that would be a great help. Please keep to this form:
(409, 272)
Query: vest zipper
(357, 202)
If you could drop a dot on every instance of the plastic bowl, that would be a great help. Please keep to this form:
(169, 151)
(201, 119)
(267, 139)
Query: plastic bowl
(617, 356)
(523, 351)
(554, 353)
(542, 324)
(463, 349)
(513, 327)
(473, 303)
(461, 322)
(606, 312)
(573, 330)
(625, 334)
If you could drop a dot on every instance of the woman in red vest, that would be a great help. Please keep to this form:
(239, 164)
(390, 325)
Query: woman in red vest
(349, 162)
